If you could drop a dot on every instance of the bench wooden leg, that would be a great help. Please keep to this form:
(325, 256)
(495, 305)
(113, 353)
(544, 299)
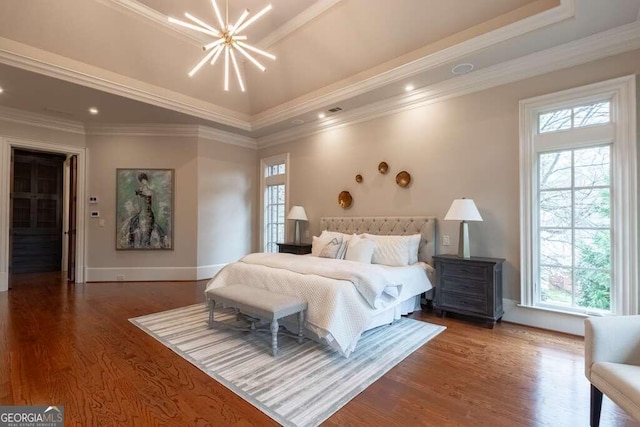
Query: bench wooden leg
(274, 336)
(212, 304)
(300, 326)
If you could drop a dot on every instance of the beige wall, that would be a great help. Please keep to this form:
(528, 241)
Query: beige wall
(227, 191)
(106, 154)
(214, 220)
(463, 147)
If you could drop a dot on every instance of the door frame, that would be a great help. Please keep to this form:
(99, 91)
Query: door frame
(6, 145)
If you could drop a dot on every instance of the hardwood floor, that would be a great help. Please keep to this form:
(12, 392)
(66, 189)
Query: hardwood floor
(73, 345)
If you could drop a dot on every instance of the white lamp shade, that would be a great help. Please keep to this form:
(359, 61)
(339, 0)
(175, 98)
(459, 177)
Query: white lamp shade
(463, 210)
(298, 213)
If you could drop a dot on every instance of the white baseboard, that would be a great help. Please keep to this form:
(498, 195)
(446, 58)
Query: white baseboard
(140, 274)
(4, 281)
(545, 319)
(208, 271)
(151, 274)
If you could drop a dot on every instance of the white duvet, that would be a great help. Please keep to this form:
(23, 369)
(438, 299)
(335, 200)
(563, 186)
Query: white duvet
(343, 295)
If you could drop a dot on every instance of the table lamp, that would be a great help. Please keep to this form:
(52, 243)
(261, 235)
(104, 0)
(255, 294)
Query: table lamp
(463, 210)
(298, 214)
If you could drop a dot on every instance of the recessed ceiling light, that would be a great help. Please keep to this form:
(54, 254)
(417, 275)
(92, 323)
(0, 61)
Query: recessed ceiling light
(462, 68)
(1, 90)
(321, 116)
(409, 88)
(93, 111)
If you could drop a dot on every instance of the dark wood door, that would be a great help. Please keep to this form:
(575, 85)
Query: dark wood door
(73, 212)
(36, 212)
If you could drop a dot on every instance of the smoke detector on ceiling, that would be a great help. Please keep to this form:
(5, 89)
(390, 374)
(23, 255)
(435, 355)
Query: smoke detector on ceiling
(462, 68)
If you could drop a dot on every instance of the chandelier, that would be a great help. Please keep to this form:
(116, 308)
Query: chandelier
(227, 40)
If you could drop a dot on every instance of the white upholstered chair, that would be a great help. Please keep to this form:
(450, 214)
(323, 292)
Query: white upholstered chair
(612, 363)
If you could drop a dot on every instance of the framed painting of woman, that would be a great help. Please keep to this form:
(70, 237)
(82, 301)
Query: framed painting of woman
(144, 209)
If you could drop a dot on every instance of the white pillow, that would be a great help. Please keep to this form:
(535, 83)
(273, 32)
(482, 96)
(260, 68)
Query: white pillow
(318, 244)
(395, 251)
(332, 249)
(360, 249)
(342, 236)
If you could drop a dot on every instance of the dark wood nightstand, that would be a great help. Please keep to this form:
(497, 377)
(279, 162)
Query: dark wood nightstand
(292, 248)
(469, 286)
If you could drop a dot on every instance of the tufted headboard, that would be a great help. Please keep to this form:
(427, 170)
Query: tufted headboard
(395, 225)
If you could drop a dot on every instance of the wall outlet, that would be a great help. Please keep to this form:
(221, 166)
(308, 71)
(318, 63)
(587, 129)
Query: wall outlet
(93, 200)
(445, 240)
(95, 214)
(120, 277)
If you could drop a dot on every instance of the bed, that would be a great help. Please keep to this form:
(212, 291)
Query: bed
(345, 297)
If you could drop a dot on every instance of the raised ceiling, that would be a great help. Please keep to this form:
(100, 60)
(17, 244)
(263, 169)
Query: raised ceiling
(349, 53)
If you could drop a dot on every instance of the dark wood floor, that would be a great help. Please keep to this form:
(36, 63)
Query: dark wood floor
(72, 345)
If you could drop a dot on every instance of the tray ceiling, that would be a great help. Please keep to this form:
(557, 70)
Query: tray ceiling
(329, 52)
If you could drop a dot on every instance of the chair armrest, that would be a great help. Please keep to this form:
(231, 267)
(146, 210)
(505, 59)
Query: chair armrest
(611, 339)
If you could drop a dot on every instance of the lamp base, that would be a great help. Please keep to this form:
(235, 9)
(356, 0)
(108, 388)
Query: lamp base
(296, 238)
(463, 243)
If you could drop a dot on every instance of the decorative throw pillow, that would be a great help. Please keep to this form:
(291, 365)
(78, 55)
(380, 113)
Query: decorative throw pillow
(319, 243)
(345, 240)
(360, 249)
(331, 249)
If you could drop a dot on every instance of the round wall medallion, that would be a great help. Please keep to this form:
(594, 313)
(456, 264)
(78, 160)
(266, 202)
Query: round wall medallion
(345, 199)
(358, 178)
(403, 179)
(383, 167)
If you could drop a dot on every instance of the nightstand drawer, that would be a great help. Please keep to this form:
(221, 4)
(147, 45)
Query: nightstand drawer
(465, 270)
(461, 302)
(467, 287)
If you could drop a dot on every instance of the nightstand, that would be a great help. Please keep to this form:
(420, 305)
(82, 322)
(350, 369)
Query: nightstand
(469, 286)
(292, 248)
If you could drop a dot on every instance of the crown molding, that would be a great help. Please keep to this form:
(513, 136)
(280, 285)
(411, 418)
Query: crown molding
(57, 66)
(162, 130)
(212, 134)
(301, 106)
(601, 45)
(40, 120)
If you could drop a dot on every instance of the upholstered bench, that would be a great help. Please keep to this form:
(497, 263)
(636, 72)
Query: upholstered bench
(260, 303)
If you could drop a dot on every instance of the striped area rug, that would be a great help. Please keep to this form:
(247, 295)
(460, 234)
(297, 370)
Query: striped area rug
(306, 383)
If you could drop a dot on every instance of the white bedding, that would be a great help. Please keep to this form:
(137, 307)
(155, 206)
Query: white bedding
(335, 289)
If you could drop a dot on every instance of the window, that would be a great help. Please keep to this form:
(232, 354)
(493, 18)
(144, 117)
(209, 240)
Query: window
(274, 201)
(574, 228)
(579, 200)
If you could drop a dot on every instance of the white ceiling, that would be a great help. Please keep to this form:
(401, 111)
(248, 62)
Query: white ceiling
(58, 58)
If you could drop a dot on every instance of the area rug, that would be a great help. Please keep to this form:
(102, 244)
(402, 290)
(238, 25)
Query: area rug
(306, 383)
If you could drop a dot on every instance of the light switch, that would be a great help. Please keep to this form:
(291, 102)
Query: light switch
(101, 223)
(445, 240)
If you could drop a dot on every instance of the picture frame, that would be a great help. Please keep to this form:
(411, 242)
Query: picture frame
(144, 209)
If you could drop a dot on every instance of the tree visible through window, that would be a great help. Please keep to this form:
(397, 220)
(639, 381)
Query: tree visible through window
(575, 228)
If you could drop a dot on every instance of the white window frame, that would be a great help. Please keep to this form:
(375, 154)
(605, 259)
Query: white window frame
(621, 134)
(265, 181)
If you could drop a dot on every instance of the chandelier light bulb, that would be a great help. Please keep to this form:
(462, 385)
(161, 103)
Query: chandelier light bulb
(228, 39)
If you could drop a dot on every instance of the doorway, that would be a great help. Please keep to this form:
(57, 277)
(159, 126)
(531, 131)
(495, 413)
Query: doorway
(36, 212)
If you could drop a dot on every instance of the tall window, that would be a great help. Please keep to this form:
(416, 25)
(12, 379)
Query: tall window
(274, 176)
(578, 200)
